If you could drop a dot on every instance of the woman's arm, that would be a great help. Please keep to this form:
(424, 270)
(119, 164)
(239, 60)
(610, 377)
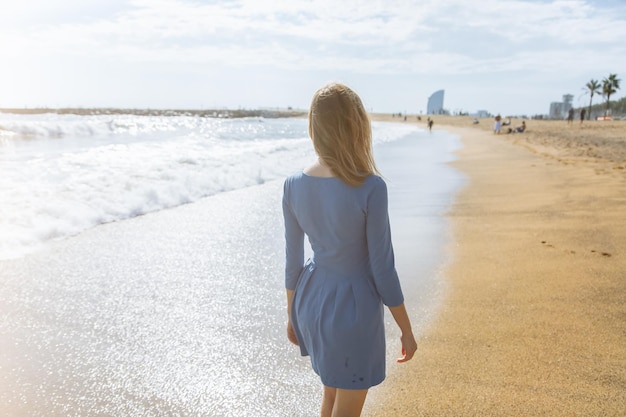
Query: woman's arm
(409, 345)
(382, 262)
(291, 335)
(380, 247)
(294, 252)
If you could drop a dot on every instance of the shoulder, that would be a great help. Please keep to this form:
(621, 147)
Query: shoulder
(375, 181)
(375, 186)
(293, 178)
(376, 198)
(295, 183)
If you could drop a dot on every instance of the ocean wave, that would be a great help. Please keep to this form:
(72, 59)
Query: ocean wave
(54, 126)
(55, 189)
(69, 195)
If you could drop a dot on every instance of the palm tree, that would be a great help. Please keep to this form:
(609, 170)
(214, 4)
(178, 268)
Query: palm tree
(594, 88)
(610, 85)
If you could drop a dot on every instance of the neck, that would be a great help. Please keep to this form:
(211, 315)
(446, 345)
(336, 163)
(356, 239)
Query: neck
(319, 169)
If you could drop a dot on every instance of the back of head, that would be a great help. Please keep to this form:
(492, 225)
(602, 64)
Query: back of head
(341, 132)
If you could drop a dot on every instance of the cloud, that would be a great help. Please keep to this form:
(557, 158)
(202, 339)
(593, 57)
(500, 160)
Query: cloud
(428, 38)
(152, 23)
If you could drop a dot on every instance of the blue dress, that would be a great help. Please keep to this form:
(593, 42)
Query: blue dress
(337, 310)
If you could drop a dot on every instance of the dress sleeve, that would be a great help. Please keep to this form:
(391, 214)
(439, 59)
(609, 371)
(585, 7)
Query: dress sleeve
(380, 248)
(294, 242)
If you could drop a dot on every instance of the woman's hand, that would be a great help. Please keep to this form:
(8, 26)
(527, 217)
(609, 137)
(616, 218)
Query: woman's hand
(291, 335)
(409, 347)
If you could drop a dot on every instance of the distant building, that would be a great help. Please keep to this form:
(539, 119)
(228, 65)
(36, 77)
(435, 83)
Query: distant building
(435, 103)
(559, 110)
(567, 103)
(556, 110)
(482, 113)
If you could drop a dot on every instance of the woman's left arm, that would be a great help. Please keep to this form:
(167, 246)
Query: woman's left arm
(291, 335)
(294, 254)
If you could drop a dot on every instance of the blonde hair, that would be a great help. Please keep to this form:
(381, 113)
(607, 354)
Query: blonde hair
(342, 133)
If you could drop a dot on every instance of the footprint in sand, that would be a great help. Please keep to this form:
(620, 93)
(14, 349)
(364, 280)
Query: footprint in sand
(605, 254)
(548, 245)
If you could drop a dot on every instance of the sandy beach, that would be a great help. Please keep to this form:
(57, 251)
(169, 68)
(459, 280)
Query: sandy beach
(534, 319)
(527, 316)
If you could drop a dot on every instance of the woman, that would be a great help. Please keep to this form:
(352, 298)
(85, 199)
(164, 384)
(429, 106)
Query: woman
(335, 301)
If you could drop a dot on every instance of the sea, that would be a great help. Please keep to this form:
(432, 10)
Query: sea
(141, 260)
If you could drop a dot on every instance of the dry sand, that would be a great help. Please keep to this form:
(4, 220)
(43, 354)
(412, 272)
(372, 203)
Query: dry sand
(534, 321)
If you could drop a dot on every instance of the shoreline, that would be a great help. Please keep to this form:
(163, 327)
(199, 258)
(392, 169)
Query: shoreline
(153, 292)
(533, 320)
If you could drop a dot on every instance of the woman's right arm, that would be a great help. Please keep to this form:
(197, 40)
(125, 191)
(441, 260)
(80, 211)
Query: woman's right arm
(382, 262)
(409, 345)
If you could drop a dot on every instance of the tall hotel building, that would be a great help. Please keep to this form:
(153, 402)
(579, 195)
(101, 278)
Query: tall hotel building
(435, 103)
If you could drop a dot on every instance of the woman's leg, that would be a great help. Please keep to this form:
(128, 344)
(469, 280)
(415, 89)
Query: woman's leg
(348, 403)
(328, 401)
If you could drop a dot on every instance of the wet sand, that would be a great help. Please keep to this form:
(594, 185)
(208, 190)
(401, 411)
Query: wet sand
(534, 319)
(182, 311)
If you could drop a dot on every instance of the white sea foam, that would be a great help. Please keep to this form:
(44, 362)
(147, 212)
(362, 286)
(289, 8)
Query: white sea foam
(63, 174)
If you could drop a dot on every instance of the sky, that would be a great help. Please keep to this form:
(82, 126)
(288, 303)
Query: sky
(512, 57)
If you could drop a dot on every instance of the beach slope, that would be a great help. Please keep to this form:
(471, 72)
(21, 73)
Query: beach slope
(534, 322)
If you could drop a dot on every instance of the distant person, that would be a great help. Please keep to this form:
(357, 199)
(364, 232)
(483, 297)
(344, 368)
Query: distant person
(507, 122)
(497, 126)
(430, 124)
(570, 116)
(335, 300)
(518, 129)
(583, 112)
(475, 121)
